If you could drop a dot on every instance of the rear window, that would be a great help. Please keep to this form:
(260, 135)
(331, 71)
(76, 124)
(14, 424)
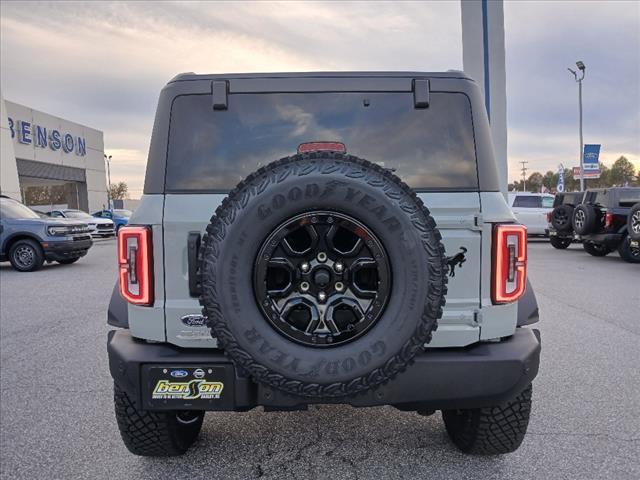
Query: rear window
(211, 151)
(547, 202)
(526, 201)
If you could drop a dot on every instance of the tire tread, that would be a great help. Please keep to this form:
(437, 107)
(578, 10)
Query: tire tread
(149, 433)
(329, 163)
(490, 430)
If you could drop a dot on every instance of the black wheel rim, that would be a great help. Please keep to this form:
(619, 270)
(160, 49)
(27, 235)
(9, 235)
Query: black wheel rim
(580, 219)
(635, 222)
(560, 217)
(24, 256)
(322, 279)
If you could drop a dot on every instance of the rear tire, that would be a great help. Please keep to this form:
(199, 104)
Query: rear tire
(560, 243)
(155, 434)
(596, 249)
(68, 261)
(490, 430)
(26, 255)
(628, 254)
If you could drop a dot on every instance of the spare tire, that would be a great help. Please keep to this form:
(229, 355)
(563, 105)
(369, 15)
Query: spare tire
(322, 275)
(561, 218)
(633, 222)
(584, 219)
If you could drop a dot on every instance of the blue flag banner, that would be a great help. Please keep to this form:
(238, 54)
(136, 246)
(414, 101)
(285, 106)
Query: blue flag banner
(560, 186)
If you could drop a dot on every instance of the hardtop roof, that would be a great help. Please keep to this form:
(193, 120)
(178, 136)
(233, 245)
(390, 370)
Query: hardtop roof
(191, 76)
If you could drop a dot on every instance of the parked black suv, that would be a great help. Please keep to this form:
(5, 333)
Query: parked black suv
(602, 221)
(27, 239)
(561, 229)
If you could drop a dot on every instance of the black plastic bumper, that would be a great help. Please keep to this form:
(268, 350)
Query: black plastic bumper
(480, 375)
(63, 249)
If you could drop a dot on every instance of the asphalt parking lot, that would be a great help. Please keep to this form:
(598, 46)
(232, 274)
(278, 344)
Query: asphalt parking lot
(57, 420)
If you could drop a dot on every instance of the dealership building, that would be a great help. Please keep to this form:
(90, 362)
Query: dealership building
(49, 162)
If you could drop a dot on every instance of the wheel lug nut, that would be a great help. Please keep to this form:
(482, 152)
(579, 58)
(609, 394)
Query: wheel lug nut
(322, 296)
(339, 286)
(338, 267)
(304, 286)
(304, 267)
(322, 257)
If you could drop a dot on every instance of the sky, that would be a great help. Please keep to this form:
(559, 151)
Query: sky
(104, 64)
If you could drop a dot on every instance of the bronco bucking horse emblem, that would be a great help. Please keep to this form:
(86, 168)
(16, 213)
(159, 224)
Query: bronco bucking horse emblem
(457, 260)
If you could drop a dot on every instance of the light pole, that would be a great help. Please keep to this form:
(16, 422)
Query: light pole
(579, 79)
(108, 160)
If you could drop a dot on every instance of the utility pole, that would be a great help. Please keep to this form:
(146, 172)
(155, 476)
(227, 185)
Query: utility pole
(108, 160)
(581, 66)
(524, 175)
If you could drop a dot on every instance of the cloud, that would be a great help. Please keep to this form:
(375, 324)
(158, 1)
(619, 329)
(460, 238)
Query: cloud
(542, 40)
(103, 64)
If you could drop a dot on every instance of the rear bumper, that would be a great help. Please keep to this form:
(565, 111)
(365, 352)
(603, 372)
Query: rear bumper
(480, 375)
(552, 232)
(60, 250)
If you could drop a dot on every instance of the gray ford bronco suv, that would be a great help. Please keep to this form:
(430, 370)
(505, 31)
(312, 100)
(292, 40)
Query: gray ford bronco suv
(322, 238)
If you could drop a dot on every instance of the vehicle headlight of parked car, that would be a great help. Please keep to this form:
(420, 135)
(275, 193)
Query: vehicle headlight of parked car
(62, 230)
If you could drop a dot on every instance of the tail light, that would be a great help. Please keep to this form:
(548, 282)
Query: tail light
(509, 263)
(135, 260)
(608, 220)
(322, 147)
(549, 217)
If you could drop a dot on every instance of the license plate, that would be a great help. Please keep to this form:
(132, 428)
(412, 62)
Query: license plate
(188, 387)
(553, 233)
(634, 244)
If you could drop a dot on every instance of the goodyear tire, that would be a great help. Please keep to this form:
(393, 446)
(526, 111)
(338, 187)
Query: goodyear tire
(561, 218)
(633, 222)
(348, 191)
(490, 430)
(584, 219)
(155, 434)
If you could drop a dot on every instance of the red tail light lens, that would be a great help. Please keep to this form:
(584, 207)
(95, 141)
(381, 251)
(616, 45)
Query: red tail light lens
(509, 263)
(549, 217)
(608, 220)
(135, 260)
(322, 147)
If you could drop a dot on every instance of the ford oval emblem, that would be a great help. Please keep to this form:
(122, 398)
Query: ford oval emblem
(179, 373)
(194, 320)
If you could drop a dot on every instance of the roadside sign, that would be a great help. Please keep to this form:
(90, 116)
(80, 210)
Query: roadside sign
(590, 161)
(587, 174)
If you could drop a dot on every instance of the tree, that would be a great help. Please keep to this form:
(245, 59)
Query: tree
(548, 180)
(118, 191)
(534, 182)
(622, 172)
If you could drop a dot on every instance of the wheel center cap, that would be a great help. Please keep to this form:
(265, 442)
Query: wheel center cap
(321, 277)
